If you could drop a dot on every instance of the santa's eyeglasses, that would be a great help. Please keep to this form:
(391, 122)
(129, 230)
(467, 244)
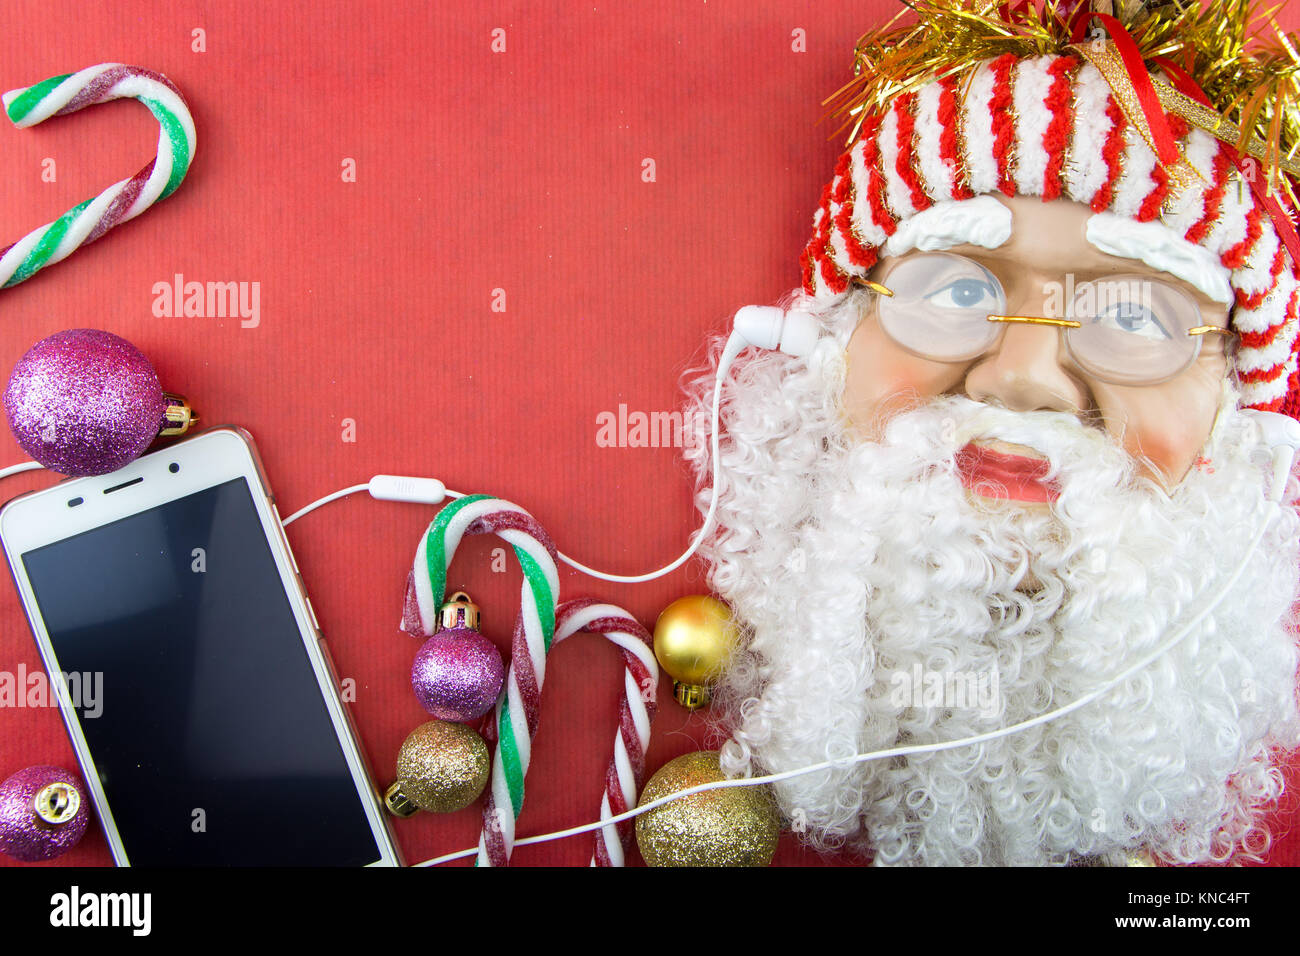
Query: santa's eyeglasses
(1123, 329)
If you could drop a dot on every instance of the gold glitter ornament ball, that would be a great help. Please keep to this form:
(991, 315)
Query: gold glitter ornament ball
(442, 767)
(735, 826)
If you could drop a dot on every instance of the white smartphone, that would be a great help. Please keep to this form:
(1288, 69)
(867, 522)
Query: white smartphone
(216, 735)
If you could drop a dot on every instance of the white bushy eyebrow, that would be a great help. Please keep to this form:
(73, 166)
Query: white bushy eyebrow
(982, 221)
(1159, 247)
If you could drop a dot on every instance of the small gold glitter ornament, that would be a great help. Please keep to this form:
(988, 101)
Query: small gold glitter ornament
(694, 637)
(735, 826)
(442, 767)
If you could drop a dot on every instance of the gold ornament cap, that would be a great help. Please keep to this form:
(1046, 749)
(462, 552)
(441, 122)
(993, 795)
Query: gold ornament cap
(398, 803)
(57, 803)
(459, 611)
(733, 826)
(692, 696)
(178, 417)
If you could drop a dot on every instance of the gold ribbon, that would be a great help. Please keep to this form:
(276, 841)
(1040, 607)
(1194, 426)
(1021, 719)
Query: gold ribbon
(1104, 55)
(1221, 128)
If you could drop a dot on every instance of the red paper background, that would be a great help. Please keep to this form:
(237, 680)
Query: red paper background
(475, 171)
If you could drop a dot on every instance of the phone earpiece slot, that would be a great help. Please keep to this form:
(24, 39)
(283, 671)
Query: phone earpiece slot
(125, 484)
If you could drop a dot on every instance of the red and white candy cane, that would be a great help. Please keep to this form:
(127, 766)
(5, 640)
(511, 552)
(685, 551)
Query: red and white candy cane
(124, 200)
(635, 712)
(537, 627)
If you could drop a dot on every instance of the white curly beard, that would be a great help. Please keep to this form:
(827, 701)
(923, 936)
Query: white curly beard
(857, 567)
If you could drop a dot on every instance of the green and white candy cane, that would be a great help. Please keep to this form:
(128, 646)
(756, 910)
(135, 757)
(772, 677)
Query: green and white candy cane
(542, 624)
(517, 710)
(61, 95)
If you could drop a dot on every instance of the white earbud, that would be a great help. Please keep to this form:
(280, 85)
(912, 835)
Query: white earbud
(768, 327)
(1282, 432)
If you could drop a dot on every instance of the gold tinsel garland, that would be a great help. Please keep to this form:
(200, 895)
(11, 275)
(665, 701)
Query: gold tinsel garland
(1233, 49)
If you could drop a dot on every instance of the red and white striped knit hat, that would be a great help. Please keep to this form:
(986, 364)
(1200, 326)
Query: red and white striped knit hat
(1049, 126)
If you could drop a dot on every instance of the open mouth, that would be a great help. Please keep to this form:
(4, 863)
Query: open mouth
(1004, 474)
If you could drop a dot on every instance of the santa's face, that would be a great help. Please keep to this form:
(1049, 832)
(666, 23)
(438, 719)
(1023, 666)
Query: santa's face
(887, 600)
(1045, 267)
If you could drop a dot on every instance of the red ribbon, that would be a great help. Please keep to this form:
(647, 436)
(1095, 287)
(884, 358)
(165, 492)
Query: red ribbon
(1076, 19)
(1278, 213)
(1165, 143)
(1009, 8)
(1182, 80)
(1163, 136)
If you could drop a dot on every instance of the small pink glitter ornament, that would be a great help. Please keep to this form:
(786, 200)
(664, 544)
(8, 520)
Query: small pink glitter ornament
(458, 673)
(42, 814)
(86, 402)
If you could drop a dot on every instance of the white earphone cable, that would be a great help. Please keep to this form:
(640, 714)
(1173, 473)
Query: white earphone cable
(432, 491)
(341, 493)
(352, 490)
(733, 348)
(1282, 470)
(20, 467)
(1086, 699)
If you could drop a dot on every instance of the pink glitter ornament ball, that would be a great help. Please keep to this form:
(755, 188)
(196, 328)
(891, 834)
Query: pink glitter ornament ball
(42, 814)
(457, 674)
(84, 402)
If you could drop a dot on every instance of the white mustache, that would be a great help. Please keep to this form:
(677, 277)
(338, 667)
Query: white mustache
(937, 431)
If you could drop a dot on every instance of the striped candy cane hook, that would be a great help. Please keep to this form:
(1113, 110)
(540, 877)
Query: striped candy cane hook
(636, 710)
(539, 626)
(61, 95)
(517, 710)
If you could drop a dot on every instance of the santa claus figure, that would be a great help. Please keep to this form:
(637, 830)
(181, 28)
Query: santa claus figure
(1025, 463)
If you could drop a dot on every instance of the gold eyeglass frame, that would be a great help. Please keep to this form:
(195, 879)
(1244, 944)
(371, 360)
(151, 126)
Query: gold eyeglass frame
(1197, 331)
(1044, 320)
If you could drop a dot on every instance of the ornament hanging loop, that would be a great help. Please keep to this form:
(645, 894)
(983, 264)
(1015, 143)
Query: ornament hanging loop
(57, 803)
(398, 803)
(178, 416)
(459, 611)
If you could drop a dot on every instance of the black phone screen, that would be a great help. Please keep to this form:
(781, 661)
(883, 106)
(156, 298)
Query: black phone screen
(209, 731)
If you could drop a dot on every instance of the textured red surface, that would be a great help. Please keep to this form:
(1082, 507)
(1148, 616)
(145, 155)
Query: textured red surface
(475, 171)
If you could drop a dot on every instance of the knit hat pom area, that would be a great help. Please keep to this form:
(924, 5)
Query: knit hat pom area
(1172, 113)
